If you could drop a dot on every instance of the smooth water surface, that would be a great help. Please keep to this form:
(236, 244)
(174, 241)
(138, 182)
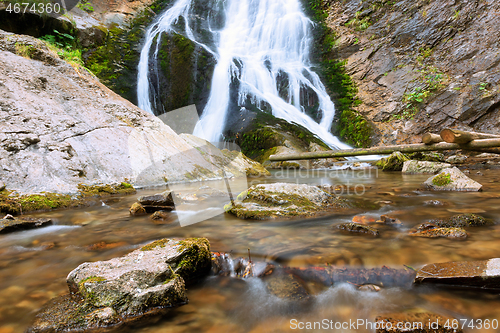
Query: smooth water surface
(34, 264)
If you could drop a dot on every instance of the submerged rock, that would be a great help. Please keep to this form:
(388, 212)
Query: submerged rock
(11, 224)
(483, 274)
(358, 228)
(464, 220)
(281, 199)
(286, 286)
(417, 322)
(416, 167)
(143, 282)
(392, 163)
(452, 179)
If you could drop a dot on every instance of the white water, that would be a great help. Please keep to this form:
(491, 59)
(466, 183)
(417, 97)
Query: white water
(261, 40)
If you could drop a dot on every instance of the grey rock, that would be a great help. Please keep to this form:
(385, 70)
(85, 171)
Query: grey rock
(456, 159)
(419, 167)
(452, 179)
(2, 185)
(10, 224)
(127, 289)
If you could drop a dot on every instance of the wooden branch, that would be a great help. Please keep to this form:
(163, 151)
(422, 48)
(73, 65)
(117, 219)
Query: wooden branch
(456, 136)
(430, 138)
(411, 148)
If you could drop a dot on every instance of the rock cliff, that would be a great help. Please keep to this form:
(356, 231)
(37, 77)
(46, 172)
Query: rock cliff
(60, 127)
(421, 65)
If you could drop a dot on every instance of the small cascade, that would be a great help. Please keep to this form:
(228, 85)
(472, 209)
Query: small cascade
(261, 46)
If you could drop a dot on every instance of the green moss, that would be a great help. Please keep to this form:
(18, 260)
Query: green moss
(86, 191)
(392, 163)
(442, 179)
(241, 212)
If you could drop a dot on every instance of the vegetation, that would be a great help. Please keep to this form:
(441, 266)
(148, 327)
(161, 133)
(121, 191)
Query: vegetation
(86, 6)
(65, 46)
(351, 126)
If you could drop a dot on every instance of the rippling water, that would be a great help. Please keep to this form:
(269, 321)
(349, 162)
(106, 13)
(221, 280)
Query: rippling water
(34, 264)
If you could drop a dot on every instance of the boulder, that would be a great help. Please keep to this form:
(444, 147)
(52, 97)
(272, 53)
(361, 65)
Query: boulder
(452, 179)
(144, 282)
(392, 163)
(416, 167)
(484, 274)
(281, 199)
(463, 220)
(10, 224)
(137, 209)
(358, 228)
(416, 322)
(427, 156)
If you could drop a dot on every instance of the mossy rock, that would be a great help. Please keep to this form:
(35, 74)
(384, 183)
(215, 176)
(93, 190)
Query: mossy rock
(442, 179)
(427, 156)
(464, 220)
(392, 163)
(103, 190)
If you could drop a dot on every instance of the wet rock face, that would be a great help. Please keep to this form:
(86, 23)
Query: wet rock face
(452, 179)
(10, 224)
(419, 167)
(435, 232)
(146, 281)
(358, 228)
(421, 67)
(394, 162)
(281, 199)
(481, 274)
(464, 220)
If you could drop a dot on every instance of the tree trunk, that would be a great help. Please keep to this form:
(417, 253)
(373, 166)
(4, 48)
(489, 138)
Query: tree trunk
(430, 138)
(456, 136)
(411, 148)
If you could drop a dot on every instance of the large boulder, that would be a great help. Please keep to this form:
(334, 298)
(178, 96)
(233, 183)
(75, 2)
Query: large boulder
(393, 162)
(144, 282)
(452, 179)
(416, 167)
(483, 274)
(282, 199)
(62, 127)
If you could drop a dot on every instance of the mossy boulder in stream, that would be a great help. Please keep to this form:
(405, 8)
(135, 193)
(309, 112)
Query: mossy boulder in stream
(267, 201)
(452, 179)
(147, 281)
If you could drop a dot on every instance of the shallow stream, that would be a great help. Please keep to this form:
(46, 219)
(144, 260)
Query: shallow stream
(34, 264)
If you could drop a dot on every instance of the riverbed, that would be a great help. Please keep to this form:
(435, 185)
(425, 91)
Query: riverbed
(34, 264)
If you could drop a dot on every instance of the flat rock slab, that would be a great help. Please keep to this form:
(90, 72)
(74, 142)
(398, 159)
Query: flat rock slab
(483, 274)
(12, 224)
(419, 322)
(423, 167)
(452, 179)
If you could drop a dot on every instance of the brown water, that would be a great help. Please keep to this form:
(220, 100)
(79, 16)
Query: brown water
(34, 264)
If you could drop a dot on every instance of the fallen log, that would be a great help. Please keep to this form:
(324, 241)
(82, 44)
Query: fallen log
(430, 138)
(456, 136)
(411, 148)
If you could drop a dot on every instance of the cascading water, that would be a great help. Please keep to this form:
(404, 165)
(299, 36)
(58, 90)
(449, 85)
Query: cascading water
(261, 42)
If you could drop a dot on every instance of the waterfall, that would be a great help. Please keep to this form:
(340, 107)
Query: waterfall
(261, 42)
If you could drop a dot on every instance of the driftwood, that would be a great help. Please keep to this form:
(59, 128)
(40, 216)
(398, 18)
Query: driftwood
(411, 148)
(457, 136)
(430, 138)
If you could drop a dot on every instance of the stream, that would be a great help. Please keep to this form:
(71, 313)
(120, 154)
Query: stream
(34, 264)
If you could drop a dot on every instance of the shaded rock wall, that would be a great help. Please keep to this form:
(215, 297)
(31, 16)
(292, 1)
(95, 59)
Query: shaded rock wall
(421, 65)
